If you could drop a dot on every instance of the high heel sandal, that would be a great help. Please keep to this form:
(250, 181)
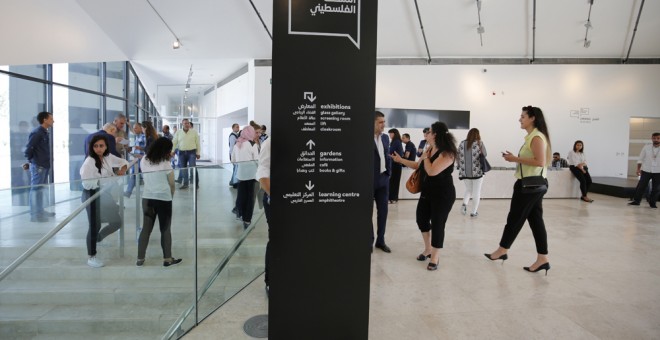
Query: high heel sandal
(432, 266)
(504, 257)
(423, 257)
(545, 266)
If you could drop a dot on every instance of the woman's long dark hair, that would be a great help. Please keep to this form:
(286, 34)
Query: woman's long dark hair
(160, 151)
(444, 140)
(397, 135)
(97, 160)
(149, 130)
(539, 123)
(473, 136)
(575, 145)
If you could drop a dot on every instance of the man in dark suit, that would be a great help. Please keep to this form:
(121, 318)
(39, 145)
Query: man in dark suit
(382, 172)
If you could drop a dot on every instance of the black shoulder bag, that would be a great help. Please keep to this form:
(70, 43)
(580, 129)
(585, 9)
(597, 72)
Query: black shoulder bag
(533, 184)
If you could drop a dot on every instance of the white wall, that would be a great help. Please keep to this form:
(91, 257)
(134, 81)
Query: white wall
(262, 96)
(612, 93)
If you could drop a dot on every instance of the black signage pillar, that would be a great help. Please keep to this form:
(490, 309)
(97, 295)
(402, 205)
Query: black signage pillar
(323, 94)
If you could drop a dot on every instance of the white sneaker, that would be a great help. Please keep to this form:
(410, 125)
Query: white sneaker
(94, 262)
(463, 209)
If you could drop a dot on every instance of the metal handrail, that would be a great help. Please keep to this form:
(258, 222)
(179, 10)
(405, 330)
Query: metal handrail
(209, 282)
(50, 234)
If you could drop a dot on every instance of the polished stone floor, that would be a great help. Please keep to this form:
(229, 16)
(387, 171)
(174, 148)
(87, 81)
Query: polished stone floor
(604, 282)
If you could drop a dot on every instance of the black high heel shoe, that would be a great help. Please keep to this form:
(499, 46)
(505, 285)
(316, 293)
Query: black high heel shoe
(545, 266)
(432, 266)
(423, 257)
(504, 257)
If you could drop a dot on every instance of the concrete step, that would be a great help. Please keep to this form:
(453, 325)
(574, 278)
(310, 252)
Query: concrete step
(47, 321)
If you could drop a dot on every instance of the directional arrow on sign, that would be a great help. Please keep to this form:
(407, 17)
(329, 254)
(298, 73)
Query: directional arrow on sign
(309, 96)
(310, 143)
(309, 186)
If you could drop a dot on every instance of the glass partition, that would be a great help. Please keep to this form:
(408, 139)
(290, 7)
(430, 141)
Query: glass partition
(54, 293)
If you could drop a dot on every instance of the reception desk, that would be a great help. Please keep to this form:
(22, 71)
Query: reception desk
(498, 183)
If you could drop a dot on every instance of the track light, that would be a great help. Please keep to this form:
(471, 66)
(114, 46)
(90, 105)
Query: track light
(588, 26)
(480, 29)
(177, 43)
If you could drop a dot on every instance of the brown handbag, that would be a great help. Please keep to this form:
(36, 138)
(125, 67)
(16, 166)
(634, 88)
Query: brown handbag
(414, 183)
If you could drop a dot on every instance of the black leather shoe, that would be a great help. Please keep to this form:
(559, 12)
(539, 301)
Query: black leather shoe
(633, 203)
(384, 248)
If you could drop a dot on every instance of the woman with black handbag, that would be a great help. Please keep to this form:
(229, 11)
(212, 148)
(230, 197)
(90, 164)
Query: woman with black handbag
(470, 169)
(438, 194)
(529, 189)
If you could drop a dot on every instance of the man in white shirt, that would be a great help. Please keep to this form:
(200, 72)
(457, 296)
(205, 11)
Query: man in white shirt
(382, 173)
(648, 168)
(233, 136)
(263, 175)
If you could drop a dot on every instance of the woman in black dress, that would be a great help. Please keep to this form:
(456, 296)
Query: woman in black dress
(438, 193)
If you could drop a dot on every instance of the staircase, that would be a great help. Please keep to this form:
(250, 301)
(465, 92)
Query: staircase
(55, 295)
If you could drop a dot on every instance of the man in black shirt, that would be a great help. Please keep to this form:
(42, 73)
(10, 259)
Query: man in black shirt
(37, 152)
(410, 151)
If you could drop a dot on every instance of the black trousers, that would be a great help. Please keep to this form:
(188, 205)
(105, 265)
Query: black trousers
(643, 184)
(266, 201)
(245, 199)
(525, 207)
(432, 213)
(103, 209)
(395, 180)
(584, 178)
(162, 210)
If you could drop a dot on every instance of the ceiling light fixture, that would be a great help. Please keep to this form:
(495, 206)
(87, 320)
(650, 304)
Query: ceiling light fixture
(480, 29)
(588, 26)
(177, 42)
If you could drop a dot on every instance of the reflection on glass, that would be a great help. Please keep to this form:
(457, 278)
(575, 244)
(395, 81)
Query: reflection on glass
(20, 102)
(114, 73)
(76, 116)
(37, 71)
(82, 75)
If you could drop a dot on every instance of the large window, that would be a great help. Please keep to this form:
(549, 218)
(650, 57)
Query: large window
(76, 115)
(114, 78)
(85, 75)
(82, 97)
(20, 102)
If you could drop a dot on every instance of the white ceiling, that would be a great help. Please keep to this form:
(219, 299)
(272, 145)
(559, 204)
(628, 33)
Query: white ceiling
(221, 36)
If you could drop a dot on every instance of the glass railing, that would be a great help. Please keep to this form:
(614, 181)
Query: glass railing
(54, 293)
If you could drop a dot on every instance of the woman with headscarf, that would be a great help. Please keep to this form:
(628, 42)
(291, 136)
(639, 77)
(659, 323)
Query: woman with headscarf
(246, 156)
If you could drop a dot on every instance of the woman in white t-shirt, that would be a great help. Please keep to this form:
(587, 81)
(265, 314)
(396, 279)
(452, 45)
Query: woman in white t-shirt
(97, 170)
(246, 155)
(157, 200)
(577, 163)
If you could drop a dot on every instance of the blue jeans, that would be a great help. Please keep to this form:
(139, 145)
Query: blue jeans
(187, 159)
(132, 179)
(39, 177)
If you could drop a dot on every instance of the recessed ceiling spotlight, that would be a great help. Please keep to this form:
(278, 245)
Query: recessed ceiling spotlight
(176, 44)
